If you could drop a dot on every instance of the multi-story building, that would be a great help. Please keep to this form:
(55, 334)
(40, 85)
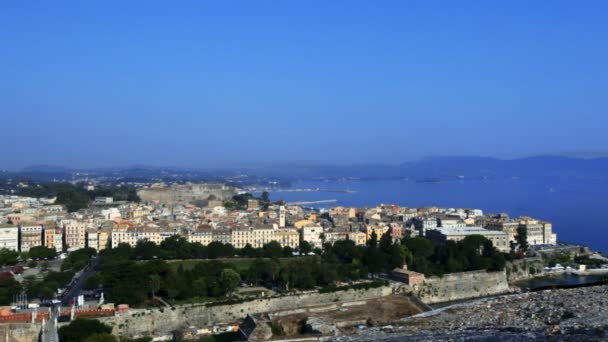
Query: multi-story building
(312, 234)
(75, 233)
(500, 240)
(262, 236)
(58, 240)
(132, 235)
(241, 237)
(358, 237)
(103, 200)
(92, 236)
(287, 237)
(507, 227)
(332, 237)
(379, 230)
(548, 235)
(104, 236)
(202, 236)
(222, 235)
(9, 237)
(30, 236)
(48, 235)
(535, 231)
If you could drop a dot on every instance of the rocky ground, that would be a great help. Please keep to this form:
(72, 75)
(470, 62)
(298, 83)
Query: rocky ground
(579, 314)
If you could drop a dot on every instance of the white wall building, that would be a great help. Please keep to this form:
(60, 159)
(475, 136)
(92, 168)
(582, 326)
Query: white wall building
(9, 237)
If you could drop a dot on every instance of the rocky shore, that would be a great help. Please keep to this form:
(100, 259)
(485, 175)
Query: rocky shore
(579, 314)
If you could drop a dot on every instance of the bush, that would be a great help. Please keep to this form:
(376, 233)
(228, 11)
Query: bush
(79, 329)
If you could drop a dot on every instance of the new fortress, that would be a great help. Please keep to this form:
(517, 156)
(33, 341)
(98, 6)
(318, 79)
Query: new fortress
(186, 193)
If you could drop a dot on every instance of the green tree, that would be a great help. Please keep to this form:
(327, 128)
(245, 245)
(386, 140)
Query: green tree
(104, 337)
(229, 279)
(199, 287)
(522, 238)
(420, 247)
(386, 241)
(373, 240)
(79, 329)
(8, 288)
(375, 260)
(305, 247)
(273, 250)
(8, 257)
(42, 252)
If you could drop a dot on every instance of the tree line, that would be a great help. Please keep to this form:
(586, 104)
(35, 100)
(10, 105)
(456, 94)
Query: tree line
(75, 196)
(128, 280)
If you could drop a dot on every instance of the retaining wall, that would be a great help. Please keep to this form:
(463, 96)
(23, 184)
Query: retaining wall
(141, 322)
(463, 285)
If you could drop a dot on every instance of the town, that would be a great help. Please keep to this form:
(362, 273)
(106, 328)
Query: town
(214, 244)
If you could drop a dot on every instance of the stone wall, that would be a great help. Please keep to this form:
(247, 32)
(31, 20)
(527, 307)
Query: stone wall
(140, 322)
(464, 285)
(524, 269)
(19, 332)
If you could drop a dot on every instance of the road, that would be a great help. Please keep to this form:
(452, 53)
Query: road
(49, 332)
(74, 290)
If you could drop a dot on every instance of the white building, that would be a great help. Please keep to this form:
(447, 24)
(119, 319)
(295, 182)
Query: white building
(312, 234)
(499, 239)
(31, 236)
(9, 237)
(103, 200)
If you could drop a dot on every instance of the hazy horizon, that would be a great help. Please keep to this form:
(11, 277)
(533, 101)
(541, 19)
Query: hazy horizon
(312, 163)
(242, 83)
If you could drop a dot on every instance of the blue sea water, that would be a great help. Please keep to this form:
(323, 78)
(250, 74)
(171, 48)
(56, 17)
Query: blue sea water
(575, 206)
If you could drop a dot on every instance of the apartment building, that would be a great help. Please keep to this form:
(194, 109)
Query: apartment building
(9, 237)
(30, 236)
(500, 240)
(312, 234)
(132, 235)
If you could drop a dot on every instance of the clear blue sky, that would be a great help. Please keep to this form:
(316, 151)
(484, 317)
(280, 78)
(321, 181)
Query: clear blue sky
(112, 83)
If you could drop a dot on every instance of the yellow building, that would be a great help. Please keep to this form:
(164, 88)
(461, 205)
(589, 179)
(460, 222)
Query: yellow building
(202, 236)
(287, 237)
(49, 237)
(358, 237)
(241, 237)
(302, 223)
(380, 230)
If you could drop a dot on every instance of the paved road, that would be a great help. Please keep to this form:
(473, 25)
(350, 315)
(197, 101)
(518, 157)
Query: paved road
(50, 333)
(74, 290)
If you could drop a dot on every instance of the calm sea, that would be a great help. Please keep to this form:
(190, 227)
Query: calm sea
(576, 207)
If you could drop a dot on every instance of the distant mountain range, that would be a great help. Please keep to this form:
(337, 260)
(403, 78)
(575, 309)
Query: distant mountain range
(426, 169)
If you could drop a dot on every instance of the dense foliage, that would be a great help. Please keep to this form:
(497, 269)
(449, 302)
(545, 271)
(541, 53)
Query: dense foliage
(76, 197)
(80, 329)
(46, 288)
(78, 259)
(475, 252)
(42, 252)
(8, 257)
(8, 288)
(128, 280)
(240, 201)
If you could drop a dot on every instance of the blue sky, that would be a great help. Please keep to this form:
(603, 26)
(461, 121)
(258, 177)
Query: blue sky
(203, 83)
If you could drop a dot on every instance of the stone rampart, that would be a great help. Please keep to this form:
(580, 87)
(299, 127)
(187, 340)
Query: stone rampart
(463, 285)
(524, 269)
(143, 322)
